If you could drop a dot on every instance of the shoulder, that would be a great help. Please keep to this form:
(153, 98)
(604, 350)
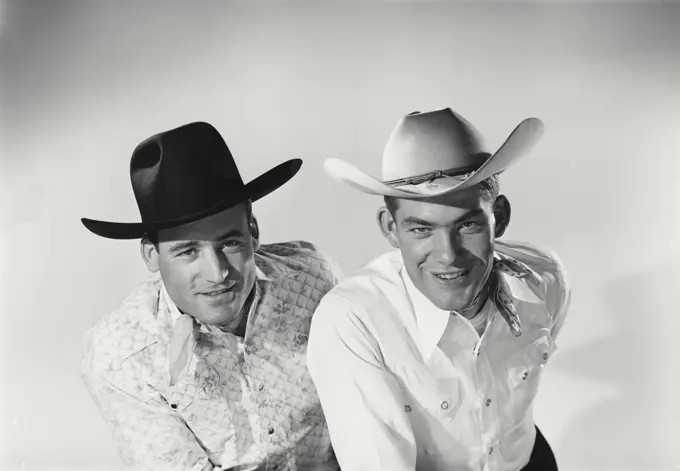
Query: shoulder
(554, 283)
(361, 298)
(543, 260)
(298, 257)
(358, 314)
(125, 331)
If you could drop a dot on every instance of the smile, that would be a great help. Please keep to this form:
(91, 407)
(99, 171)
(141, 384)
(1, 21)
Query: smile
(218, 292)
(449, 276)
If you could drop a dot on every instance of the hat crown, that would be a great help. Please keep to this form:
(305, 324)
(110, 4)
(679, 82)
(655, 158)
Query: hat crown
(183, 171)
(431, 141)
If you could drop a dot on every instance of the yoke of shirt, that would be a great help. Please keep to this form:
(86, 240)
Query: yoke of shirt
(246, 400)
(384, 298)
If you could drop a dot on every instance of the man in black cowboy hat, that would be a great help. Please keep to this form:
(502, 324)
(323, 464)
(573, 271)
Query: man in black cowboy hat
(430, 356)
(202, 367)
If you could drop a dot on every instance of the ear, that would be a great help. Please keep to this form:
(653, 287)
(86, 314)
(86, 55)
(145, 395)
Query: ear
(149, 254)
(388, 226)
(501, 212)
(254, 232)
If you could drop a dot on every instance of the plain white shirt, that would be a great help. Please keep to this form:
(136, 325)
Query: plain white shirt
(406, 386)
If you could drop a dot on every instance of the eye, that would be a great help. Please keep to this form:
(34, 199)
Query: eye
(420, 230)
(187, 253)
(471, 226)
(232, 244)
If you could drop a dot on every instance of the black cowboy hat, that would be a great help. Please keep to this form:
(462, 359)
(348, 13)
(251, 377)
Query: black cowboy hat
(186, 174)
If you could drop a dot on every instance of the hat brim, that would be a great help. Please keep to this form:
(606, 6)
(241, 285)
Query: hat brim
(253, 191)
(519, 143)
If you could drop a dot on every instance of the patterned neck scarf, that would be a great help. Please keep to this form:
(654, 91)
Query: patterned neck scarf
(497, 288)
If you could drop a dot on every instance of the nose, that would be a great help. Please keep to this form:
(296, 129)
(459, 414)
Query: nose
(448, 248)
(215, 266)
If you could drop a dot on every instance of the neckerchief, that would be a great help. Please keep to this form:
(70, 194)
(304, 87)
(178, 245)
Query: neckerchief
(499, 292)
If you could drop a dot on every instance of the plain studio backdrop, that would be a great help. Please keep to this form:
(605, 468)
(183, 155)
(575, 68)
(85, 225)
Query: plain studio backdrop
(84, 82)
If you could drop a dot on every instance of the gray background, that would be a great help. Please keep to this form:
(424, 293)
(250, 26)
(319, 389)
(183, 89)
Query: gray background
(84, 82)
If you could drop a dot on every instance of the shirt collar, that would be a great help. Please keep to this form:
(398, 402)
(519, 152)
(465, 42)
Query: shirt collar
(260, 275)
(430, 319)
(172, 309)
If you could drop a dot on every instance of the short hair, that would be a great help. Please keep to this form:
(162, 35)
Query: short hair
(250, 217)
(489, 189)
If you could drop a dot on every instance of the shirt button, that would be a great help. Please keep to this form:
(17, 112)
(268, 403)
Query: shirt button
(445, 405)
(407, 408)
(545, 356)
(488, 402)
(490, 450)
(270, 431)
(260, 387)
(525, 375)
(174, 406)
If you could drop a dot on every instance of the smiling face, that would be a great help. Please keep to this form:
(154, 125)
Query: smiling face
(447, 243)
(207, 266)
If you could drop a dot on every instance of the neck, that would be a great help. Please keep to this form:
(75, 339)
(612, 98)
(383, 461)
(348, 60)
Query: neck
(477, 303)
(236, 325)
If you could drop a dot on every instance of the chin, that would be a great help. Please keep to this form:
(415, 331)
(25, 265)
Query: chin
(455, 301)
(214, 316)
(210, 318)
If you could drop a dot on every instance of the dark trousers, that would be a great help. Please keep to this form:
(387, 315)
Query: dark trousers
(542, 456)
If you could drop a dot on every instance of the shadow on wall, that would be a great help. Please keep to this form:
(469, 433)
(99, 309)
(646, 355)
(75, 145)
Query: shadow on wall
(641, 360)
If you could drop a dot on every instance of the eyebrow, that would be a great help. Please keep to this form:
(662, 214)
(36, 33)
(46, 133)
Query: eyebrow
(413, 220)
(189, 244)
(230, 234)
(180, 246)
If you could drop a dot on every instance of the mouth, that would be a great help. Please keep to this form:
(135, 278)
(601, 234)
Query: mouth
(449, 276)
(219, 291)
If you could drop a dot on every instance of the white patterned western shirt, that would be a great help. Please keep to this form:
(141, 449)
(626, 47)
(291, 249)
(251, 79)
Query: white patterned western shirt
(239, 400)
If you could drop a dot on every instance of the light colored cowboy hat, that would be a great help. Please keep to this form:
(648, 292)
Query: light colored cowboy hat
(433, 153)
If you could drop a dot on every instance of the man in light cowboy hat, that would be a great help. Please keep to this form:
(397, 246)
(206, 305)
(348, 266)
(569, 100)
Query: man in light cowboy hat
(202, 367)
(429, 357)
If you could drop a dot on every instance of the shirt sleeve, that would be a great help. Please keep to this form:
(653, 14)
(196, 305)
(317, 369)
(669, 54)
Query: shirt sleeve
(361, 400)
(147, 433)
(557, 288)
(560, 289)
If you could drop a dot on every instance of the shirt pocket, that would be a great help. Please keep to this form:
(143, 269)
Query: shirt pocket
(432, 404)
(524, 369)
(194, 390)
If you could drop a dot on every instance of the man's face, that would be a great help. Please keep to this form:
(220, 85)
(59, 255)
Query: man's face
(447, 243)
(207, 266)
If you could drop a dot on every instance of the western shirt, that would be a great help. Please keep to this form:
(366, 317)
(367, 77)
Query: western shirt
(406, 386)
(232, 400)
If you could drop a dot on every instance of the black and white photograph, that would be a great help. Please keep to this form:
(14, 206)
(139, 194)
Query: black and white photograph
(339, 236)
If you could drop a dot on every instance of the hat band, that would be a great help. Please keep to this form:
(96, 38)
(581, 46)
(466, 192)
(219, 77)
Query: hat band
(432, 176)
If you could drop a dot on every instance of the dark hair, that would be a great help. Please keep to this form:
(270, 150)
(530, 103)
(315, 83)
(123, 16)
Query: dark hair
(252, 224)
(489, 188)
